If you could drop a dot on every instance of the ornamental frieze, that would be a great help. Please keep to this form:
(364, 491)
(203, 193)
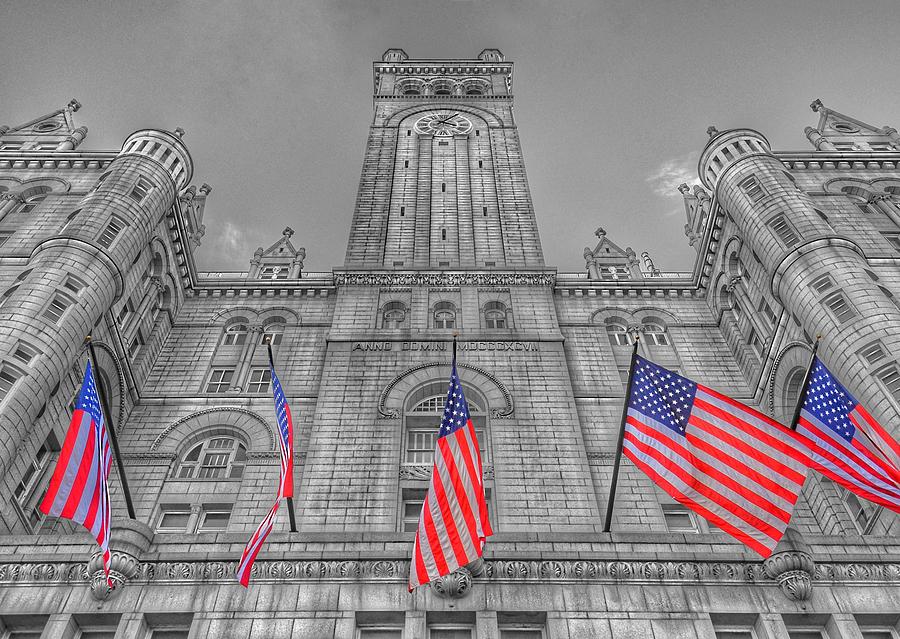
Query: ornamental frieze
(599, 571)
(444, 279)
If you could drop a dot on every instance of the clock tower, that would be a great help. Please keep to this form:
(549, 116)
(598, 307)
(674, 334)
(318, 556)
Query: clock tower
(443, 182)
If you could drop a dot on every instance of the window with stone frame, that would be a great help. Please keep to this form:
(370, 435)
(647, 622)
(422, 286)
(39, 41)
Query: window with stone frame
(173, 518)
(393, 314)
(614, 273)
(9, 375)
(141, 189)
(33, 201)
(218, 457)
(30, 490)
(784, 231)
(752, 188)
(274, 331)
(260, 380)
(618, 333)
(496, 315)
(214, 517)
(273, 272)
(656, 333)
(235, 335)
(220, 380)
(679, 518)
(22, 626)
(444, 315)
(57, 307)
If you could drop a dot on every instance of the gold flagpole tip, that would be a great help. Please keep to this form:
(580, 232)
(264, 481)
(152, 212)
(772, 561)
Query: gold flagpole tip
(269, 340)
(455, 334)
(87, 339)
(818, 337)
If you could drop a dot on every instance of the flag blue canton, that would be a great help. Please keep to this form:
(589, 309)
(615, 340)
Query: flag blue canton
(662, 395)
(88, 400)
(456, 410)
(829, 402)
(280, 407)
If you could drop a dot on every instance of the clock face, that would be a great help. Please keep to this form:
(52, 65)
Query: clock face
(444, 124)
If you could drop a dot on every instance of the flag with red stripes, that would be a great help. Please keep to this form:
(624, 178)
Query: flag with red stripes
(79, 488)
(453, 525)
(285, 482)
(846, 443)
(729, 463)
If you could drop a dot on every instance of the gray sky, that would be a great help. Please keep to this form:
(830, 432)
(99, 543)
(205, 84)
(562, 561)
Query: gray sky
(612, 98)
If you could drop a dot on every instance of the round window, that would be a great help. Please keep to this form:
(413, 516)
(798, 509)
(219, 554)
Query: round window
(845, 127)
(46, 127)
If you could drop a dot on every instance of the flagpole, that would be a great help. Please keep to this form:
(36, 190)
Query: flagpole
(615, 476)
(110, 427)
(455, 335)
(802, 396)
(290, 500)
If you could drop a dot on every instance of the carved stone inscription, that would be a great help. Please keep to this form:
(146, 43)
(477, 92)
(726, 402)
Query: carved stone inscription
(444, 346)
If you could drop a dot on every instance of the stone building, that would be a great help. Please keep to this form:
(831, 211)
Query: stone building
(443, 238)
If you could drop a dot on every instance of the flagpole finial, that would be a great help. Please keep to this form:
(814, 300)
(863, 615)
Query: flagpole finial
(818, 337)
(87, 339)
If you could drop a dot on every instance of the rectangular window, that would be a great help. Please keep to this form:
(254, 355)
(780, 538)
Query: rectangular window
(443, 144)
(4, 237)
(273, 272)
(822, 284)
(480, 164)
(33, 479)
(74, 285)
(679, 518)
(136, 344)
(767, 312)
(11, 146)
(260, 379)
(125, 313)
(784, 231)
(873, 352)
(141, 189)
(806, 633)
(214, 517)
(173, 518)
(402, 211)
(838, 305)
(448, 632)
(878, 633)
(57, 307)
(521, 633)
(893, 239)
(380, 633)
(737, 309)
(219, 380)
(413, 498)
(25, 353)
(484, 210)
(754, 342)
(111, 232)
(405, 164)
(890, 377)
(25, 626)
(844, 146)
(880, 146)
(735, 633)
(752, 188)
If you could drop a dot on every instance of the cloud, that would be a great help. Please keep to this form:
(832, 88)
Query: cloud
(673, 173)
(231, 236)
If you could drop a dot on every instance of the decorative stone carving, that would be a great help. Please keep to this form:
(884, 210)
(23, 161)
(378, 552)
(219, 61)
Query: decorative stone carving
(792, 566)
(128, 540)
(444, 279)
(456, 585)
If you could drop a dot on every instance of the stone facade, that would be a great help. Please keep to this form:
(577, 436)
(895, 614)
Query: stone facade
(443, 240)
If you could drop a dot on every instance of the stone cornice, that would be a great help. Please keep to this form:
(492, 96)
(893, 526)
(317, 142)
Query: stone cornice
(393, 570)
(839, 160)
(444, 278)
(48, 159)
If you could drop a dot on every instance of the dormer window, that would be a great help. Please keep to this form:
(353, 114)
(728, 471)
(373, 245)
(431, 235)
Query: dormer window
(273, 272)
(614, 273)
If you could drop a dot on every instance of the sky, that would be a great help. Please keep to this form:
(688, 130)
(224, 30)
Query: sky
(612, 99)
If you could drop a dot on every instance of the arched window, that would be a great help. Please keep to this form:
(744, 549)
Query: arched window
(393, 315)
(655, 333)
(412, 91)
(38, 196)
(495, 315)
(444, 315)
(424, 408)
(474, 91)
(235, 335)
(618, 333)
(274, 331)
(792, 391)
(215, 458)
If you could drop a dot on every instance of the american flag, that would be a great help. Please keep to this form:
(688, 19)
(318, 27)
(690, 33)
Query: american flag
(79, 488)
(454, 522)
(285, 483)
(730, 464)
(846, 444)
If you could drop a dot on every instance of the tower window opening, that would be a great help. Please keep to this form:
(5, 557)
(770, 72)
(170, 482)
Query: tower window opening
(480, 164)
(784, 231)
(4, 237)
(70, 218)
(25, 353)
(9, 375)
(484, 211)
(477, 132)
(111, 232)
(402, 211)
(824, 218)
(838, 304)
(443, 234)
(890, 377)
(141, 189)
(57, 307)
(443, 187)
(405, 164)
(408, 132)
(752, 188)
(754, 342)
(873, 352)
